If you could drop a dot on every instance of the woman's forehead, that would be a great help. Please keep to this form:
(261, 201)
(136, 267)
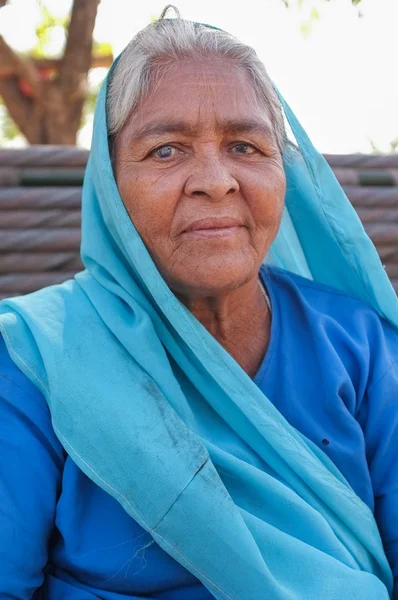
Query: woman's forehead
(194, 95)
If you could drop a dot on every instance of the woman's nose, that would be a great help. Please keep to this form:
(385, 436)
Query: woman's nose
(212, 179)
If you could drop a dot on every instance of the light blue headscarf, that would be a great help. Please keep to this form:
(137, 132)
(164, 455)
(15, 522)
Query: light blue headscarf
(97, 349)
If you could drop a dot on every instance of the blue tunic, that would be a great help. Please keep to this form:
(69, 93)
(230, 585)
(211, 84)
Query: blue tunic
(330, 369)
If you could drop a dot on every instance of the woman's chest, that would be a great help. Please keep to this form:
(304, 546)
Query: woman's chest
(316, 396)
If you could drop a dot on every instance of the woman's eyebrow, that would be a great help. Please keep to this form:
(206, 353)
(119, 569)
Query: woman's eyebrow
(227, 127)
(156, 129)
(249, 127)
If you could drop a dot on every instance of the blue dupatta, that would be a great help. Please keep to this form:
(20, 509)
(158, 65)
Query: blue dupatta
(97, 346)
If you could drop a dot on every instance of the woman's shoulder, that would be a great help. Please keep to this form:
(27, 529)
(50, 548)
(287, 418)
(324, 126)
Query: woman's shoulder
(12, 378)
(319, 297)
(332, 318)
(23, 408)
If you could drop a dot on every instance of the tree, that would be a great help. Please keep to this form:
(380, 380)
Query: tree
(45, 98)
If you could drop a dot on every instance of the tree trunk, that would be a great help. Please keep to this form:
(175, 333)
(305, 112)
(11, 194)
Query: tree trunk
(49, 112)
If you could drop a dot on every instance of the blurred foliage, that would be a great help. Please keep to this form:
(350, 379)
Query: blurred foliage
(311, 8)
(306, 26)
(8, 129)
(45, 29)
(289, 3)
(102, 47)
(376, 149)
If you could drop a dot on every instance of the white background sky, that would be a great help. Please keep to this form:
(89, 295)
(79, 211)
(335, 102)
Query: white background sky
(341, 80)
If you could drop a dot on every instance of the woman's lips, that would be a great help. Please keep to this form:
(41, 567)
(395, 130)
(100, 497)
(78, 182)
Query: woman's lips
(214, 232)
(214, 227)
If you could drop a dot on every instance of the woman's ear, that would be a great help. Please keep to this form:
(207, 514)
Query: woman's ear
(111, 145)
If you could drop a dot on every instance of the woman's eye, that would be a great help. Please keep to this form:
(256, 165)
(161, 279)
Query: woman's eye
(244, 149)
(164, 152)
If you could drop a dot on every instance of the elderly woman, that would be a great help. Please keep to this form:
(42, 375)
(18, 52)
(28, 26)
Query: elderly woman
(184, 420)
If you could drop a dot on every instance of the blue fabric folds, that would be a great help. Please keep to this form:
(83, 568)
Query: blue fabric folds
(97, 348)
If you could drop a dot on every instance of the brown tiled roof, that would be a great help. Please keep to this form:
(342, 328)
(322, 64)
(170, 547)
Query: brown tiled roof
(40, 195)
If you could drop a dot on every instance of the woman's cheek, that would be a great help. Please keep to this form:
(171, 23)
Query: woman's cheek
(266, 204)
(152, 216)
(275, 188)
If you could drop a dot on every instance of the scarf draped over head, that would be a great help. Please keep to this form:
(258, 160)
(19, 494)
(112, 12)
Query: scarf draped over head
(99, 346)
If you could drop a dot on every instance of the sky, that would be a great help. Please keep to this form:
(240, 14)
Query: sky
(341, 79)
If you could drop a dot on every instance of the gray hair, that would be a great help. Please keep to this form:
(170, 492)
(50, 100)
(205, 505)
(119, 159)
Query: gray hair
(163, 43)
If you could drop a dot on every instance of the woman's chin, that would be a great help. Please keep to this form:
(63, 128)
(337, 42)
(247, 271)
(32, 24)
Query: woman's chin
(211, 278)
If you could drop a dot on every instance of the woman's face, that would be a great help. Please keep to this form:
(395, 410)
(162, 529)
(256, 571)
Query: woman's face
(200, 174)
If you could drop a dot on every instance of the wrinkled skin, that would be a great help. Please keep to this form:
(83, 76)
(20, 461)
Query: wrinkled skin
(199, 151)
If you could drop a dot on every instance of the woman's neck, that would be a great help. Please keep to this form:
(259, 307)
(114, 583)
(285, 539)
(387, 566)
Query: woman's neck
(239, 320)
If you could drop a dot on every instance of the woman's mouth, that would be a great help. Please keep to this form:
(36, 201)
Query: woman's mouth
(214, 227)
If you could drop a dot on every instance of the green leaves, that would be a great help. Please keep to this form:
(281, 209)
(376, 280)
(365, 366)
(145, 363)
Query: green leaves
(311, 10)
(102, 48)
(288, 3)
(45, 29)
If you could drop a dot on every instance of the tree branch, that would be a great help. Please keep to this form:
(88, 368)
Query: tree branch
(19, 108)
(77, 56)
(98, 60)
(20, 66)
